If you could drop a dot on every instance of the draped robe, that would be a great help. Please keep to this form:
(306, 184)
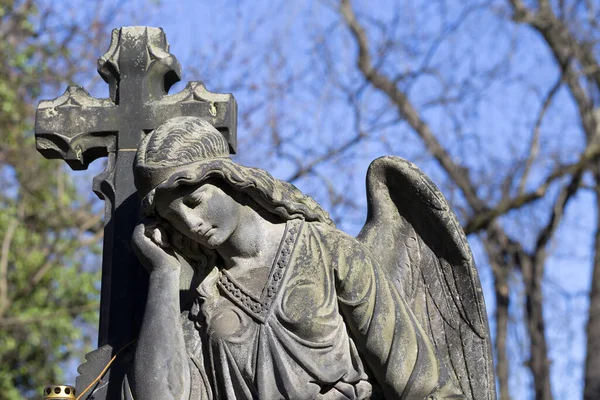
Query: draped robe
(329, 324)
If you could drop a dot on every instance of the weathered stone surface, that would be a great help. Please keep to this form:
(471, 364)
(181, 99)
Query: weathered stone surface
(280, 303)
(250, 291)
(79, 129)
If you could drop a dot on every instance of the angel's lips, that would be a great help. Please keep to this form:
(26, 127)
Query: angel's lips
(205, 232)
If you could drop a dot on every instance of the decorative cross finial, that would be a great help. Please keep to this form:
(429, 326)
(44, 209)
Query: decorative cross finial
(80, 128)
(139, 70)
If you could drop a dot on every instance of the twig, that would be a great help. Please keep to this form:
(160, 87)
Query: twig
(483, 219)
(534, 146)
(558, 210)
(458, 173)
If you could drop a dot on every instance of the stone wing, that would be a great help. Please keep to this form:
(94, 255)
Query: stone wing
(417, 239)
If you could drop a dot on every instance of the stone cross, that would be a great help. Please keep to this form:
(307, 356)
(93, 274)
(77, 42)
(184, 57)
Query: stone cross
(80, 128)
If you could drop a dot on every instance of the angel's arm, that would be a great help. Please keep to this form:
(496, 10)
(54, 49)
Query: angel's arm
(385, 330)
(161, 369)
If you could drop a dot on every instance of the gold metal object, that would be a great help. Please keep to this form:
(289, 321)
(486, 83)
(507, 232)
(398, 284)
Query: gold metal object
(59, 392)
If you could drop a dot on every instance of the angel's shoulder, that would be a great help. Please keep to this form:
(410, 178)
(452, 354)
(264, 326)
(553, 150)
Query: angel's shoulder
(338, 241)
(329, 233)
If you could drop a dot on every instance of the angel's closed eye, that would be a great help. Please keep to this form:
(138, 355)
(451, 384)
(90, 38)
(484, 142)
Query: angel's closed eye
(195, 198)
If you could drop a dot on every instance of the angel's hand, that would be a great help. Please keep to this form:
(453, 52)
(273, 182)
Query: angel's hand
(152, 249)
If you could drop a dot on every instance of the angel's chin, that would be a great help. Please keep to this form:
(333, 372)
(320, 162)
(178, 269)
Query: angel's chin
(211, 240)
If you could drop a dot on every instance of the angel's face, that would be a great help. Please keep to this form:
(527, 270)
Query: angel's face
(204, 213)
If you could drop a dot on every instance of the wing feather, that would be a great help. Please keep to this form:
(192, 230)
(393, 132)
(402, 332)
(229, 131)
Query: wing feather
(432, 267)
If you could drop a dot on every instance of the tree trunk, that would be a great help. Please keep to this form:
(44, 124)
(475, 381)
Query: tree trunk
(539, 362)
(502, 303)
(501, 270)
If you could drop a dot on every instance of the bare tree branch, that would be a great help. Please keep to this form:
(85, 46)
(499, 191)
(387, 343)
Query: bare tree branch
(533, 272)
(556, 215)
(534, 145)
(484, 218)
(306, 169)
(565, 48)
(457, 173)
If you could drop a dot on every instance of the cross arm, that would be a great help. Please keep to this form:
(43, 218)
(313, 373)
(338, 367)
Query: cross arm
(76, 127)
(218, 109)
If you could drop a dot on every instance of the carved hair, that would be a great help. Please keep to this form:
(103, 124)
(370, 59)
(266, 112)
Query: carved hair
(182, 140)
(197, 151)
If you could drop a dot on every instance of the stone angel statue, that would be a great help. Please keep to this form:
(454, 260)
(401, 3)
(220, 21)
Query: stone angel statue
(254, 293)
